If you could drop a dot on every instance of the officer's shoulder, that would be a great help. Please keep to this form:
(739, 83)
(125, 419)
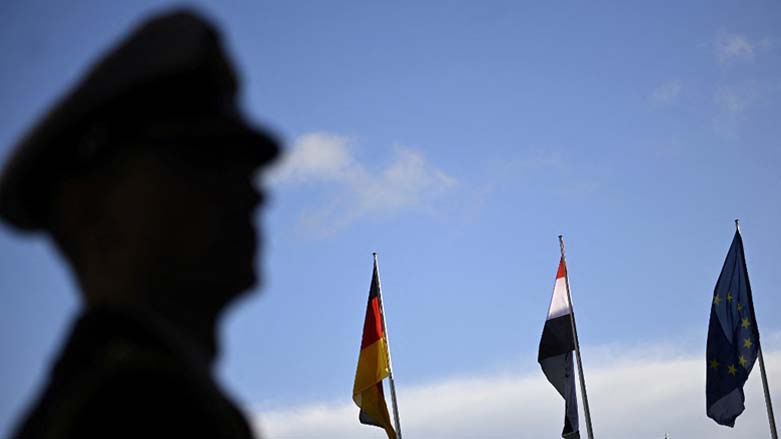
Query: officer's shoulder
(123, 368)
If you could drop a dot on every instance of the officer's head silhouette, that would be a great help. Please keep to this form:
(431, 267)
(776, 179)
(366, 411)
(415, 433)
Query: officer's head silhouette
(143, 175)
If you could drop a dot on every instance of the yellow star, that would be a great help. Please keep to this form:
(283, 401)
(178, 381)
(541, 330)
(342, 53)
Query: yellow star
(716, 299)
(747, 343)
(731, 369)
(729, 296)
(714, 364)
(745, 323)
(742, 361)
(740, 307)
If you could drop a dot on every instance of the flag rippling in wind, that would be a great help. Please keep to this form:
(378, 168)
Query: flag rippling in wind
(733, 338)
(373, 365)
(555, 354)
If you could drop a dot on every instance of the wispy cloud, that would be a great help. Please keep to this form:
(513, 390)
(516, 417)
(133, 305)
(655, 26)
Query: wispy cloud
(639, 393)
(667, 93)
(737, 47)
(536, 160)
(351, 189)
(737, 103)
(548, 170)
(734, 99)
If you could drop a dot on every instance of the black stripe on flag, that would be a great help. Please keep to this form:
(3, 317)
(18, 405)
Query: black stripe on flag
(555, 358)
(556, 337)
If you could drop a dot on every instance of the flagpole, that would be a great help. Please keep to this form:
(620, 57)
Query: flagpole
(577, 344)
(390, 363)
(768, 402)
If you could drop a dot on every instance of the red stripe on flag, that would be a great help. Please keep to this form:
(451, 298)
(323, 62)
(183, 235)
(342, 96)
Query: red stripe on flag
(372, 326)
(562, 269)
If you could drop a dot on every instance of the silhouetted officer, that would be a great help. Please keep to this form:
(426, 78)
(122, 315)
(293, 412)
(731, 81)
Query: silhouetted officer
(142, 176)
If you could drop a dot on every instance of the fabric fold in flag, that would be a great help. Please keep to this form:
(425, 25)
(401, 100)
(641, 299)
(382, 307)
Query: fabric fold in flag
(733, 339)
(373, 365)
(555, 354)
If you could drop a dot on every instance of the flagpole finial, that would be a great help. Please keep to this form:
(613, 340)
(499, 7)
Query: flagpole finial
(561, 245)
(737, 224)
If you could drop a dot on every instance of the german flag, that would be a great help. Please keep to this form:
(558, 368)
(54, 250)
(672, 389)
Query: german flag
(373, 365)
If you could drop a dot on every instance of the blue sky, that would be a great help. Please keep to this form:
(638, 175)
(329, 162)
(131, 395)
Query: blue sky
(458, 139)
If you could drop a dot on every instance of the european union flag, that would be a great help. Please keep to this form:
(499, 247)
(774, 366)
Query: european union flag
(733, 338)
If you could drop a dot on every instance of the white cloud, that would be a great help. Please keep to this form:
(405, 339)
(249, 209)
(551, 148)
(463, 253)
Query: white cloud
(353, 190)
(667, 93)
(317, 156)
(734, 47)
(639, 393)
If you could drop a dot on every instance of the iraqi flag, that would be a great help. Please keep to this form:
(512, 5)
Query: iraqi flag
(555, 355)
(373, 365)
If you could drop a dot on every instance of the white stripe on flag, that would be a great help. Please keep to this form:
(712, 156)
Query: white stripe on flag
(558, 303)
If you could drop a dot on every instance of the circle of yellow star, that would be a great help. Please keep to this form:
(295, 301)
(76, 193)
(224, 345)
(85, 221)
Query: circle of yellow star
(731, 369)
(716, 299)
(742, 360)
(747, 343)
(729, 297)
(714, 364)
(745, 323)
(740, 307)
